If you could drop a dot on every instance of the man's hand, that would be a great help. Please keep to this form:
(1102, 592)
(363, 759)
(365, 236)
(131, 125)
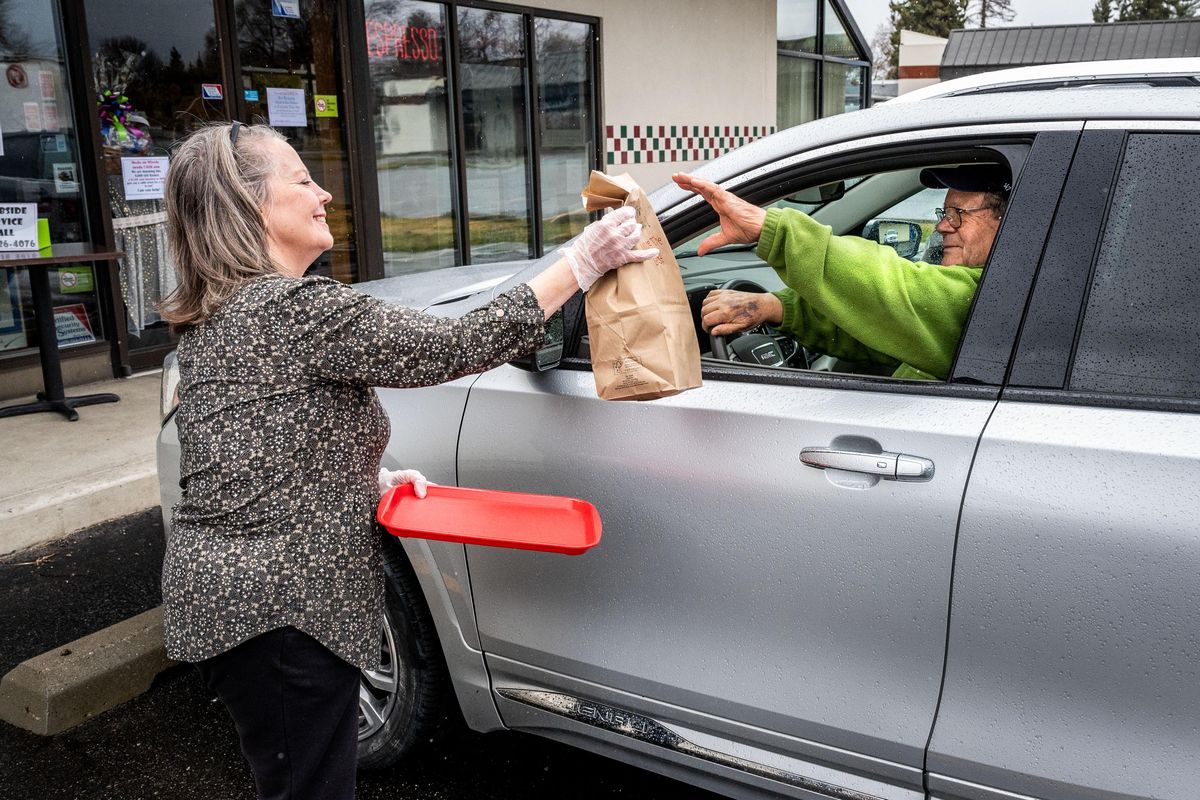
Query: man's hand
(725, 311)
(741, 222)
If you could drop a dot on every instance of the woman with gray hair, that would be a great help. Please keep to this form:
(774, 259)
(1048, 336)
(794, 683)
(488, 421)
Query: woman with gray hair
(272, 581)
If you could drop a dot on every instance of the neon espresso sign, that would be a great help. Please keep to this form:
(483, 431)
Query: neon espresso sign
(386, 39)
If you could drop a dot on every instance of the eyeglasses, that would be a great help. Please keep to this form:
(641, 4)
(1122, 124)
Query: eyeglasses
(954, 215)
(233, 134)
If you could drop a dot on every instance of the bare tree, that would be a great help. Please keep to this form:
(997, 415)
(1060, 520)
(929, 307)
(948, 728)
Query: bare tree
(15, 42)
(882, 63)
(991, 11)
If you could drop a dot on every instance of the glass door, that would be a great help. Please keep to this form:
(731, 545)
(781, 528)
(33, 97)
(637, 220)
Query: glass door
(41, 177)
(290, 77)
(406, 50)
(153, 85)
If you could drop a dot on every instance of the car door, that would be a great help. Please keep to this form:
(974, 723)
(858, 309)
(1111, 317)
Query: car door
(1073, 653)
(745, 614)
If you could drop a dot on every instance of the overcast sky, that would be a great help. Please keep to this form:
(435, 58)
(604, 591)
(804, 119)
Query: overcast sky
(870, 13)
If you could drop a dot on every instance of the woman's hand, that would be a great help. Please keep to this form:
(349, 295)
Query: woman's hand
(606, 244)
(391, 478)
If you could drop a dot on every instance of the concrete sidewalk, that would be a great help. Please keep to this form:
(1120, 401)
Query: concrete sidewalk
(61, 476)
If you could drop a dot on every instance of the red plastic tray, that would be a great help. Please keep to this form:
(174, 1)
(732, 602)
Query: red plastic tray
(497, 519)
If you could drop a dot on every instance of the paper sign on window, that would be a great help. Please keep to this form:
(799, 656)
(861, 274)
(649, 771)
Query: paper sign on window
(18, 226)
(144, 177)
(289, 9)
(285, 108)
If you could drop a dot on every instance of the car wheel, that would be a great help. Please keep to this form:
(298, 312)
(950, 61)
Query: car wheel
(399, 704)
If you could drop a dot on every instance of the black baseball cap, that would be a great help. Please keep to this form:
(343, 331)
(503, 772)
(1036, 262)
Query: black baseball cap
(969, 178)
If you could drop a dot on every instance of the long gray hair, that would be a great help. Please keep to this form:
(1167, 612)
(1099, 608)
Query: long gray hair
(215, 233)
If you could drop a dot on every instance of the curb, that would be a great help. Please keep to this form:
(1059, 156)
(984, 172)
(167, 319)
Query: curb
(71, 507)
(60, 689)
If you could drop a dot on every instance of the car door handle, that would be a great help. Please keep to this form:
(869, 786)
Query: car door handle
(889, 466)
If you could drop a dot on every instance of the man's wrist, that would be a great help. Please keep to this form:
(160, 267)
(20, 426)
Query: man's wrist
(774, 310)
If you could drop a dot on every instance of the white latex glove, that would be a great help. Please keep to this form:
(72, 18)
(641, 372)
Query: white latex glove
(389, 478)
(606, 244)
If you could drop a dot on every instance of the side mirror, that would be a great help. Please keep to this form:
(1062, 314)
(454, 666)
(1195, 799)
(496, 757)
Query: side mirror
(903, 237)
(548, 356)
(819, 195)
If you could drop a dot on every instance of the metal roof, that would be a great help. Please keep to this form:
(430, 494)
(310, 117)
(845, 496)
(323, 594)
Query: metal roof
(972, 51)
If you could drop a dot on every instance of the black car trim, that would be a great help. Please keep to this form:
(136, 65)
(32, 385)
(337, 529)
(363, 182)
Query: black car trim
(649, 730)
(993, 323)
(1050, 329)
(734, 372)
(1068, 397)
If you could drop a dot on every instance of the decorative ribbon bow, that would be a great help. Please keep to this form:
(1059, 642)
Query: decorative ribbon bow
(115, 127)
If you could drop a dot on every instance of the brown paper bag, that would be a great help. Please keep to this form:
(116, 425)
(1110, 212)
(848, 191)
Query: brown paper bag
(640, 329)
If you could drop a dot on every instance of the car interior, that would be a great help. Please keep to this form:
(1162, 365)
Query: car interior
(888, 206)
(891, 208)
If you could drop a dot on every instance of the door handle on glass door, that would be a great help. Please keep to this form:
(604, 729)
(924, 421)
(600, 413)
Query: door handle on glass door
(889, 466)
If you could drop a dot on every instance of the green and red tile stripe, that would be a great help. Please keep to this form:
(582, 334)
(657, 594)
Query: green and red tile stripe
(656, 144)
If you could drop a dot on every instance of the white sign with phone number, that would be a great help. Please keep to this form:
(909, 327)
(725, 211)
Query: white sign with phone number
(18, 226)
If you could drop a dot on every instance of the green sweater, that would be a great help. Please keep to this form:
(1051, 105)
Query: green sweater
(857, 300)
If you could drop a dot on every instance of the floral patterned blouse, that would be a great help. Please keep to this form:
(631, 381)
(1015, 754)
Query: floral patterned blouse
(280, 435)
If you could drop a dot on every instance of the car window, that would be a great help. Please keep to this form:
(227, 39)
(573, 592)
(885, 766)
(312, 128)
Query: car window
(918, 209)
(1141, 331)
(882, 331)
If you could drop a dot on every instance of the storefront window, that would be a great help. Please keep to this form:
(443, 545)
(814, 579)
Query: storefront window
(406, 48)
(796, 25)
(836, 41)
(566, 126)
(291, 79)
(40, 173)
(812, 76)
(843, 88)
(492, 79)
(497, 177)
(795, 91)
(149, 84)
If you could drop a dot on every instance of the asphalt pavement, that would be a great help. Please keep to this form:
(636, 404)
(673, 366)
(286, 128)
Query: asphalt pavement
(176, 740)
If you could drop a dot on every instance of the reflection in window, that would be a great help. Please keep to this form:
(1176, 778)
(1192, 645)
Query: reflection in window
(492, 71)
(40, 166)
(406, 48)
(805, 44)
(1140, 334)
(149, 85)
(796, 25)
(843, 89)
(566, 127)
(298, 59)
(836, 41)
(796, 91)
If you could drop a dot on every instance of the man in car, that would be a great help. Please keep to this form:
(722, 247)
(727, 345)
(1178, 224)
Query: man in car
(855, 299)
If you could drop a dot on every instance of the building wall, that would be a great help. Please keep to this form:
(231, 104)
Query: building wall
(920, 60)
(706, 67)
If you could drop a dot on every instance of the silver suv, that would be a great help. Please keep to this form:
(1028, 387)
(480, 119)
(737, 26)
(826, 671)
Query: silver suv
(1022, 623)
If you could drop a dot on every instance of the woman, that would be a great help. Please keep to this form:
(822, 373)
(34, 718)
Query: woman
(272, 581)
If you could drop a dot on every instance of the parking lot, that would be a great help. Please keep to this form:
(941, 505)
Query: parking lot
(176, 741)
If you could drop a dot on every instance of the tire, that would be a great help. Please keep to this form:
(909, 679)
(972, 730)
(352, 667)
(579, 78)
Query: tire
(401, 703)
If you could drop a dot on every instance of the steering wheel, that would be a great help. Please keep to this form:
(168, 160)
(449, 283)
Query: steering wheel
(755, 345)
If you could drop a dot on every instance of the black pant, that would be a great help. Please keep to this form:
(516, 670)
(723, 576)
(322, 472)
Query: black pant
(295, 705)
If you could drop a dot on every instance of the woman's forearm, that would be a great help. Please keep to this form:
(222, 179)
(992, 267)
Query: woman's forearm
(554, 286)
